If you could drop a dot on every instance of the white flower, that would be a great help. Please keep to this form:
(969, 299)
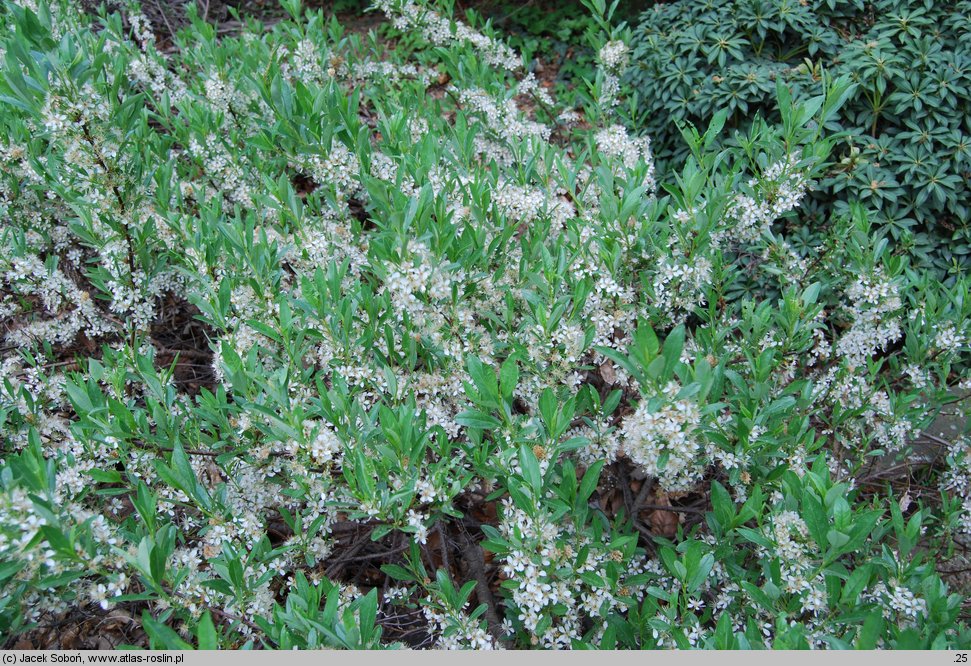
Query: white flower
(416, 522)
(614, 55)
(662, 441)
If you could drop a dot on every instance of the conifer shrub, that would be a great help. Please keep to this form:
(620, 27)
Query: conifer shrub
(906, 154)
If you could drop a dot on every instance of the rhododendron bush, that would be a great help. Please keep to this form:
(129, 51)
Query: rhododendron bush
(317, 340)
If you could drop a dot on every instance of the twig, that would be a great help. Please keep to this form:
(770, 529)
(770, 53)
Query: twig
(165, 18)
(643, 530)
(625, 490)
(642, 494)
(236, 618)
(183, 353)
(443, 546)
(668, 507)
(935, 439)
(373, 556)
(335, 567)
(475, 566)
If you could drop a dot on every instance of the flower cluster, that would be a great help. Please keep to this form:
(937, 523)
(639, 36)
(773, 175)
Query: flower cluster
(548, 561)
(613, 58)
(664, 439)
(409, 15)
(874, 304)
(778, 191)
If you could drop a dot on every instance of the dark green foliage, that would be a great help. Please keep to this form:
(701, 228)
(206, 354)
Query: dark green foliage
(553, 36)
(908, 128)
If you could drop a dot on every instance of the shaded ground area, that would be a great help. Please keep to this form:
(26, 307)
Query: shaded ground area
(85, 628)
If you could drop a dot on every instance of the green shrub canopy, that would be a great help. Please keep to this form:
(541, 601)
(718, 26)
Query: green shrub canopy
(907, 151)
(315, 340)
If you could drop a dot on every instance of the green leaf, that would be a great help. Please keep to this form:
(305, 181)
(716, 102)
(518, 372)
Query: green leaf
(755, 537)
(871, 631)
(701, 573)
(673, 346)
(590, 478)
(161, 636)
(837, 539)
(102, 476)
(480, 420)
(722, 504)
(724, 635)
(815, 517)
(758, 595)
(811, 294)
(855, 584)
(398, 572)
(484, 379)
(531, 471)
(715, 127)
(206, 633)
(508, 378)
(622, 361)
(10, 568)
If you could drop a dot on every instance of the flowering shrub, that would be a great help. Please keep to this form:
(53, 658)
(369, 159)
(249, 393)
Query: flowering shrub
(309, 342)
(906, 151)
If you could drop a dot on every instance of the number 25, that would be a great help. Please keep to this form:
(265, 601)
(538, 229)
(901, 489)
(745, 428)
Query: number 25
(961, 658)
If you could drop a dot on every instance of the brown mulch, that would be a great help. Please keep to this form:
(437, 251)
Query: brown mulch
(87, 627)
(181, 338)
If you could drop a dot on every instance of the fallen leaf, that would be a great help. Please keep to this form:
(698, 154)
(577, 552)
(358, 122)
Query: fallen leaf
(615, 502)
(69, 638)
(607, 372)
(663, 523)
